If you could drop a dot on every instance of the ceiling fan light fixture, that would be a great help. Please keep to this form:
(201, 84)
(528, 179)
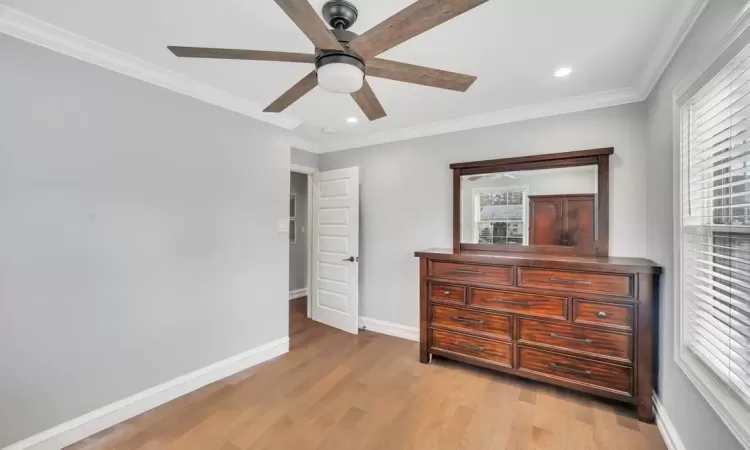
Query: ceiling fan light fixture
(339, 73)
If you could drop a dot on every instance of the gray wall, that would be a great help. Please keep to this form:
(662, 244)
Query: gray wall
(406, 193)
(695, 421)
(298, 250)
(304, 158)
(138, 234)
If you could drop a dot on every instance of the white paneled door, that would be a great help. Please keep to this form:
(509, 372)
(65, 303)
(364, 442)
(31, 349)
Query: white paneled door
(335, 258)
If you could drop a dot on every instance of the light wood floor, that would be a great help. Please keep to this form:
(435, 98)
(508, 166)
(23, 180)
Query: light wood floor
(338, 391)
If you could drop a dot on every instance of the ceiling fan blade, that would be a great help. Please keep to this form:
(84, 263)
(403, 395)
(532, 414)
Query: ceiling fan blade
(305, 17)
(368, 102)
(294, 93)
(249, 55)
(408, 23)
(409, 73)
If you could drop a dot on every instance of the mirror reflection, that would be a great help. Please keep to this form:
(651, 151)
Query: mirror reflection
(531, 207)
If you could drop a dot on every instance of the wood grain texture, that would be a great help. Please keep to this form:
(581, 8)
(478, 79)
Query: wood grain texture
(424, 355)
(304, 16)
(612, 377)
(497, 326)
(545, 220)
(610, 315)
(602, 190)
(542, 260)
(562, 336)
(448, 293)
(579, 220)
(412, 21)
(566, 280)
(426, 76)
(294, 93)
(596, 152)
(248, 55)
(647, 320)
(292, 403)
(456, 211)
(606, 333)
(600, 217)
(471, 272)
(489, 350)
(368, 102)
(519, 302)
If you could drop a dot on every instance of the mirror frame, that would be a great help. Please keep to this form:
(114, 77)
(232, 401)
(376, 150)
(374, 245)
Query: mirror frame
(598, 157)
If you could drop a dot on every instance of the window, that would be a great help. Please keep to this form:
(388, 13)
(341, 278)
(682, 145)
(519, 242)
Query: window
(500, 215)
(715, 176)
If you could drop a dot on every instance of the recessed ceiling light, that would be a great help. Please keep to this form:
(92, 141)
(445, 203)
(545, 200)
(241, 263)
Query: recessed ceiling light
(352, 120)
(563, 72)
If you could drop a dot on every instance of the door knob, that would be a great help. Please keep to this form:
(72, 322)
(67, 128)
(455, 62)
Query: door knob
(350, 259)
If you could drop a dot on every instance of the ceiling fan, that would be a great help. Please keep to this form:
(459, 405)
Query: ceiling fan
(344, 59)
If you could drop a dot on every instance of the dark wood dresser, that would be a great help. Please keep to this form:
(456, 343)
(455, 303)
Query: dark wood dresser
(582, 322)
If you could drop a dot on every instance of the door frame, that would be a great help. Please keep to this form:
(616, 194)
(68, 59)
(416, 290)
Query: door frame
(307, 171)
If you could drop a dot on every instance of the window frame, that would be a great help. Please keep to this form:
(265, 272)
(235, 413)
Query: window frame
(733, 411)
(475, 209)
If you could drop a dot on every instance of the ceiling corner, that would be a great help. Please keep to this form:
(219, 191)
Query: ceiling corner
(563, 106)
(670, 40)
(44, 34)
(303, 144)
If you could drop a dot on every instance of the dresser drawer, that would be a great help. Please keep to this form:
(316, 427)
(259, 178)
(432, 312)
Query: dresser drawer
(491, 351)
(611, 377)
(496, 325)
(603, 314)
(471, 272)
(519, 302)
(448, 293)
(561, 335)
(596, 283)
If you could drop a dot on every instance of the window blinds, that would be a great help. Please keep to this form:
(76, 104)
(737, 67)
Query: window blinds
(716, 225)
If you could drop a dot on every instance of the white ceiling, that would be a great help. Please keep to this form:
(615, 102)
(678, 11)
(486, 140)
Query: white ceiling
(512, 46)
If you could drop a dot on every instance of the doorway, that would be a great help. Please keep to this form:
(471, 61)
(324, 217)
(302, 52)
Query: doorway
(324, 245)
(299, 240)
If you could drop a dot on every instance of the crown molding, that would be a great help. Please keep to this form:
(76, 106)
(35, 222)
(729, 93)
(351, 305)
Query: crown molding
(670, 40)
(667, 46)
(564, 106)
(30, 29)
(303, 144)
(33, 30)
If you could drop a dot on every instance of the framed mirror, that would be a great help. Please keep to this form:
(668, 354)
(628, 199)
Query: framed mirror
(555, 203)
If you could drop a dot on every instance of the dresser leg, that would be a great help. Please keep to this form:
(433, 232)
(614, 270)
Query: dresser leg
(424, 357)
(645, 410)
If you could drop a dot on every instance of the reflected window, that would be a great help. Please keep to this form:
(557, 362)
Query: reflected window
(499, 215)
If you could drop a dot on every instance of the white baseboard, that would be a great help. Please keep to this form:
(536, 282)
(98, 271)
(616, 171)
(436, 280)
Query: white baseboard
(389, 328)
(666, 428)
(88, 424)
(298, 293)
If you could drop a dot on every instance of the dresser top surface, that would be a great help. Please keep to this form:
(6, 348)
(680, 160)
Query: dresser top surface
(544, 260)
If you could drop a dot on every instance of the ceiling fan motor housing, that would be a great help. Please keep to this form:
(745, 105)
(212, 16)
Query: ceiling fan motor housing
(340, 14)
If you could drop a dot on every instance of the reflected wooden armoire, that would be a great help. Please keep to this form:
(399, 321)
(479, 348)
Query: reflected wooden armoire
(566, 220)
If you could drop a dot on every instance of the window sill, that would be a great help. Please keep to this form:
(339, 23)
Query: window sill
(734, 414)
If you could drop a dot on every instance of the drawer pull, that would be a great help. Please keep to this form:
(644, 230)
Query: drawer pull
(510, 302)
(567, 338)
(446, 292)
(568, 281)
(473, 272)
(601, 315)
(555, 366)
(467, 319)
(476, 348)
